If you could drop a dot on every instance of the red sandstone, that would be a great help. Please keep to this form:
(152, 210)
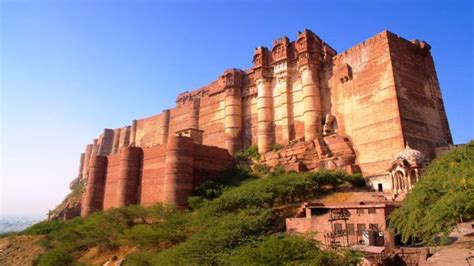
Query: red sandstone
(353, 110)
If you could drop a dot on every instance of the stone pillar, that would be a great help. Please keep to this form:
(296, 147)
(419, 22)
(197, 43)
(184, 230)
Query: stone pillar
(311, 102)
(194, 114)
(165, 126)
(129, 169)
(94, 196)
(124, 137)
(232, 81)
(264, 115)
(178, 181)
(116, 141)
(95, 148)
(87, 159)
(233, 120)
(133, 134)
(81, 166)
(105, 145)
(285, 107)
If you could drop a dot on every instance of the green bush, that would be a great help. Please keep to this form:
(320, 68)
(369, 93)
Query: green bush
(281, 249)
(261, 168)
(213, 188)
(43, 228)
(56, 257)
(139, 259)
(442, 198)
(207, 247)
(275, 250)
(232, 219)
(160, 234)
(7, 234)
(284, 188)
(276, 147)
(250, 153)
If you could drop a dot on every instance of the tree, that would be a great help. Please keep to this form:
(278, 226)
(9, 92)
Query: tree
(442, 198)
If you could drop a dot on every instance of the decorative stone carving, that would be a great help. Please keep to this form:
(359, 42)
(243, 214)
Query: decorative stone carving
(249, 91)
(405, 170)
(260, 58)
(232, 78)
(280, 49)
(280, 68)
(344, 73)
(185, 97)
(232, 92)
(308, 47)
(328, 127)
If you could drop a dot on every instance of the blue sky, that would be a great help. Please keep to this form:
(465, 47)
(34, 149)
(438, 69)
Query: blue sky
(71, 68)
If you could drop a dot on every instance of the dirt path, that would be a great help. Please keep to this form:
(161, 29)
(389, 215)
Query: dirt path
(460, 252)
(19, 250)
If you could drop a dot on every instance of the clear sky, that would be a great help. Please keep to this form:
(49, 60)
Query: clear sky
(71, 68)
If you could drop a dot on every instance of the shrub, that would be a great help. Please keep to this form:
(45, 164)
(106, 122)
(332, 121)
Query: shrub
(43, 228)
(213, 188)
(281, 249)
(250, 153)
(56, 257)
(139, 259)
(275, 250)
(276, 147)
(208, 246)
(232, 218)
(159, 234)
(261, 168)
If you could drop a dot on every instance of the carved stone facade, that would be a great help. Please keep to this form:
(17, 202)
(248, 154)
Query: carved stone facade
(402, 174)
(367, 101)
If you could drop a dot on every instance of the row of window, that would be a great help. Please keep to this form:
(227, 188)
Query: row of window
(351, 228)
(370, 210)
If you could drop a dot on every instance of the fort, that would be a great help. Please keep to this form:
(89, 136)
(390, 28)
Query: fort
(353, 110)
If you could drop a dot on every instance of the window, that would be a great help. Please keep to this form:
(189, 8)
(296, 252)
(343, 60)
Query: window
(360, 211)
(380, 187)
(360, 228)
(337, 228)
(318, 212)
(374, 227)
(371, 210)
(350, 229)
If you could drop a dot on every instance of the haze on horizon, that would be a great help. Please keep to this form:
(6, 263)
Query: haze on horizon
(68, 70)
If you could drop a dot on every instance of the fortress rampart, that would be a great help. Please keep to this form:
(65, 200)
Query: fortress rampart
(374, 98)
(164, 173)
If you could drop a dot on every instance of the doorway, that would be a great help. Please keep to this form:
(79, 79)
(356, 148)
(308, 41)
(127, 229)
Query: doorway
(380, 187)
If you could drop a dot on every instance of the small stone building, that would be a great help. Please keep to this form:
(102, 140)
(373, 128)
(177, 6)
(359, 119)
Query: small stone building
(345, 224)
(403, 173)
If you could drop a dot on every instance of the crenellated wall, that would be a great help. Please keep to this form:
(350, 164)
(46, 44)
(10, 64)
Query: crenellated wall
(380, 94)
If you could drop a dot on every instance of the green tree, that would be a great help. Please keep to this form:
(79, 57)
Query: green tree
(442, 198)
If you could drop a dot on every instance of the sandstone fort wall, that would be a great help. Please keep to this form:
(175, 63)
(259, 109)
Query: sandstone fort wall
(381, 94)
(164, 173)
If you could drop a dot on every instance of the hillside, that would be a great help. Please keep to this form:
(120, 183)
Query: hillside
(237, 219)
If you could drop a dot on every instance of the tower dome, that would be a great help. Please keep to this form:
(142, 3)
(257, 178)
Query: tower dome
(414, 157)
